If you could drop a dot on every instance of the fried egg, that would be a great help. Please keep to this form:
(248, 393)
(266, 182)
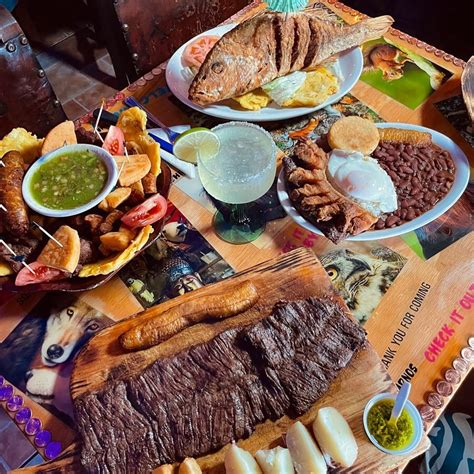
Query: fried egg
(363, 180)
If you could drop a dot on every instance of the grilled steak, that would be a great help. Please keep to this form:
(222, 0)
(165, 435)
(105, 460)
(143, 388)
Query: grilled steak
(271, 45)
(202, 398)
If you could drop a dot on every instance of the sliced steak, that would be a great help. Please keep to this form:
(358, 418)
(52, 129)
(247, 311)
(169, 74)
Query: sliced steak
(202, 398)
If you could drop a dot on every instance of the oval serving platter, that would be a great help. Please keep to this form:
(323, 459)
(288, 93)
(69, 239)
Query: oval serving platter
(77, 284)
(461, 179)
(348, 66)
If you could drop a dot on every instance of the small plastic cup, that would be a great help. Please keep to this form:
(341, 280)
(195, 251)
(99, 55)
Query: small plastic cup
(412, 411)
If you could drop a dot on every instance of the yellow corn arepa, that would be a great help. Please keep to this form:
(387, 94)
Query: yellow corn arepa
(132, 122)
(354, 134)
(63, 258)
(114, 262)
(27, 144)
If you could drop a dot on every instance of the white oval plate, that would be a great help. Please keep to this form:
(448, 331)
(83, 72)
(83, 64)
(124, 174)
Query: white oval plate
(461, 178)
(349, 66)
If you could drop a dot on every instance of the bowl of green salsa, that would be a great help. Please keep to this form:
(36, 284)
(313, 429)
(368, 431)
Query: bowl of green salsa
(401, 439)
(70, 180)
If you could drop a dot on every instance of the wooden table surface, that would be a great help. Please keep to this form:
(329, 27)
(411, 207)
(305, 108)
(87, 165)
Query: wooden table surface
(448, 274)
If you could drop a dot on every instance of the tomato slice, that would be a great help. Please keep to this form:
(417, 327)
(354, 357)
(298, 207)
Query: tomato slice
(148, 212)
(43, 273)
(195, 53)
(114, 142)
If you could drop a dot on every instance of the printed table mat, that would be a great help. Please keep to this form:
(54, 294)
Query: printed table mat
(414, 294)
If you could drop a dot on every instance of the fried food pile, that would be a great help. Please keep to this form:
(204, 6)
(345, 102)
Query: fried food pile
(317, 200)
(97, 242)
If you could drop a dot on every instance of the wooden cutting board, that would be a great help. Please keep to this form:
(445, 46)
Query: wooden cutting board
(295, 275)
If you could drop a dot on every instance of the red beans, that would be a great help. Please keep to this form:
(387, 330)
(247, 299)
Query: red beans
(422, 176)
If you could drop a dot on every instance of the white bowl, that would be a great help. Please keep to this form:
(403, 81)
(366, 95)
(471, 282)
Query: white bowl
(412, 411)
(461, 178)
(106, 158)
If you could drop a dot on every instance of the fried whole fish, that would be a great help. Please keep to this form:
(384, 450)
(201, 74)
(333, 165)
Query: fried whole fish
(272, 45)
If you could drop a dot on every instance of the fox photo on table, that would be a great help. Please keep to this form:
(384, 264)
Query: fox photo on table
(236, 237)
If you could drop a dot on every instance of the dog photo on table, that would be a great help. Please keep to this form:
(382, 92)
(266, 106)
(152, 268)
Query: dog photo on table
(37, 355)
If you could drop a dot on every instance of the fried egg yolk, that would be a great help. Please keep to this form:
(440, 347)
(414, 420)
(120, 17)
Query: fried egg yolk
(362, 179)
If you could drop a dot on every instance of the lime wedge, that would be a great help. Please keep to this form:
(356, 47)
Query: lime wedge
(196, 140)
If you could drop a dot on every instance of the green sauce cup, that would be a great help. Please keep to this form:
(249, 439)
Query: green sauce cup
(412, 412)
(112, 177)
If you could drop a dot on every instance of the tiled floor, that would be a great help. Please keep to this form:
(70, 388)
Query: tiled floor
(77, 65)
(80, 73)
(80, 90)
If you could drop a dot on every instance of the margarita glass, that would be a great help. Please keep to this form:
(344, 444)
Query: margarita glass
(242, 171)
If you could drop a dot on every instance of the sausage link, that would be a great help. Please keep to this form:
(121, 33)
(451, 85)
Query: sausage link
(11, 177)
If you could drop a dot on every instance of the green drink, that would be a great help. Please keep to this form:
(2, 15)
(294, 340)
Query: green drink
(242, 171)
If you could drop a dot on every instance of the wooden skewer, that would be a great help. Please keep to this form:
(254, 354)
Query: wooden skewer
(15, 255)
(29, 268)
(121, 168)
(48, 234)
(97, 121)
(2, 163)
(123, 164)
(7, 247)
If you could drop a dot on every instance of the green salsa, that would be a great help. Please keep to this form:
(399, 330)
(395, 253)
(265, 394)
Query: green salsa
(68, 181)
(388, 436)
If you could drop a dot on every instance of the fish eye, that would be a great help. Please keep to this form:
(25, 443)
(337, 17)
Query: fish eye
(217, 67)
(70, 312)
(332, 272)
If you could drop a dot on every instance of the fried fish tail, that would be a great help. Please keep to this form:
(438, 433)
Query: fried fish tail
(328, 39)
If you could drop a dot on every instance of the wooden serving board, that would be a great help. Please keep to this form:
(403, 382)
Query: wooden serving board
(295, 275)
